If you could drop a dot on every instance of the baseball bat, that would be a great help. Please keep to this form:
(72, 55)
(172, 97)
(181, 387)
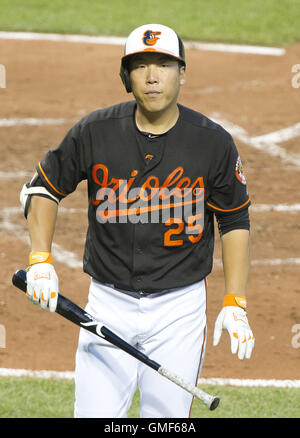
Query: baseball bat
(71, 311)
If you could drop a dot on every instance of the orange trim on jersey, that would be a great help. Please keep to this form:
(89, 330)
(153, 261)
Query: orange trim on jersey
(233, 209)
(49, 182)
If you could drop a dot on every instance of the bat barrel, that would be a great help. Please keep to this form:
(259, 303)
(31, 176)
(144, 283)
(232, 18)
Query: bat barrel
(119, 342)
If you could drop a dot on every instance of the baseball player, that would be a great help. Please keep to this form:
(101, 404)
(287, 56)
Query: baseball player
(158, 174)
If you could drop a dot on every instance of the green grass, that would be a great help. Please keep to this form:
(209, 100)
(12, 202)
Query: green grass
(271, 22)
(36, 398)
(41, 398)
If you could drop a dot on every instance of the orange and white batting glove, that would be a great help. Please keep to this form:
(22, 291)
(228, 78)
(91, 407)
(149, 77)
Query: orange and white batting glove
(233, 318)
(42, 281)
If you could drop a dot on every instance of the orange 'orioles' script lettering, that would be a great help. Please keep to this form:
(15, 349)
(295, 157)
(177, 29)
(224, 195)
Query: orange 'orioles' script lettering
(117, 198)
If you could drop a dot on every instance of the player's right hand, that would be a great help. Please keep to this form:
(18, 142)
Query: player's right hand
(42, 281)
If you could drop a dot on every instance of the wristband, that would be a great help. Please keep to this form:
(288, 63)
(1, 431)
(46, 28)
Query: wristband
(235, 300)
(40, 257)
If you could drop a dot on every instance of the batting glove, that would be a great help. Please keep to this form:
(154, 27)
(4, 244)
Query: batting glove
(42, 281)
(233, 318)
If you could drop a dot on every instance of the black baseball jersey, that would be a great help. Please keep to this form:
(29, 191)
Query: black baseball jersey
(152, 199)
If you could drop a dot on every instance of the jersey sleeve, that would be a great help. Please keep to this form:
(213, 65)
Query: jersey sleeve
(62, 169)
(228, 188)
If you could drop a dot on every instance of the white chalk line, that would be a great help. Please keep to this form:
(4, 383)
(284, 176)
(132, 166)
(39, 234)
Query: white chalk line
(280, 208)
(280, 136)
(250, 383)
(69, 375)
(66, 257)
(16, 174)
(267, 143)
(120, 41)
(70, 259)
(42, 374)
(30, 121)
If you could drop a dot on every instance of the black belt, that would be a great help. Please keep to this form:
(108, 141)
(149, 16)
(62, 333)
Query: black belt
(140, 293)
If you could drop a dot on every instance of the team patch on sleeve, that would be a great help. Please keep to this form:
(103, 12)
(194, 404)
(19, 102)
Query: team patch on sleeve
(239, 171)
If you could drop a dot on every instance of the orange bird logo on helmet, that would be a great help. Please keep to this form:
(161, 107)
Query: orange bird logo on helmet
(150, 38)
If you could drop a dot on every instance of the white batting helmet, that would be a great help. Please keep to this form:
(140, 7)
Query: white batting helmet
(155, 38)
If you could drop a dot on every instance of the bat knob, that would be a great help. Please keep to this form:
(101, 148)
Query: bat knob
(214, 403)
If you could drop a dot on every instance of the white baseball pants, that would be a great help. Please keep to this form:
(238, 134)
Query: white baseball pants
(169, 327)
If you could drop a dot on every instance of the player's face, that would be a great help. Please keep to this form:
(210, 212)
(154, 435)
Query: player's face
(155, 81)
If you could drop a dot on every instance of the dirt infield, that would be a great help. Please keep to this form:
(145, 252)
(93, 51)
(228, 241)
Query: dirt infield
(57, 80)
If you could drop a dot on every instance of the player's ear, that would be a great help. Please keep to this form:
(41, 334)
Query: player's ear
(182, 74)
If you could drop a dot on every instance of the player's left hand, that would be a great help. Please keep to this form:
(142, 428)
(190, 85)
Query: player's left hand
(234, 320)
